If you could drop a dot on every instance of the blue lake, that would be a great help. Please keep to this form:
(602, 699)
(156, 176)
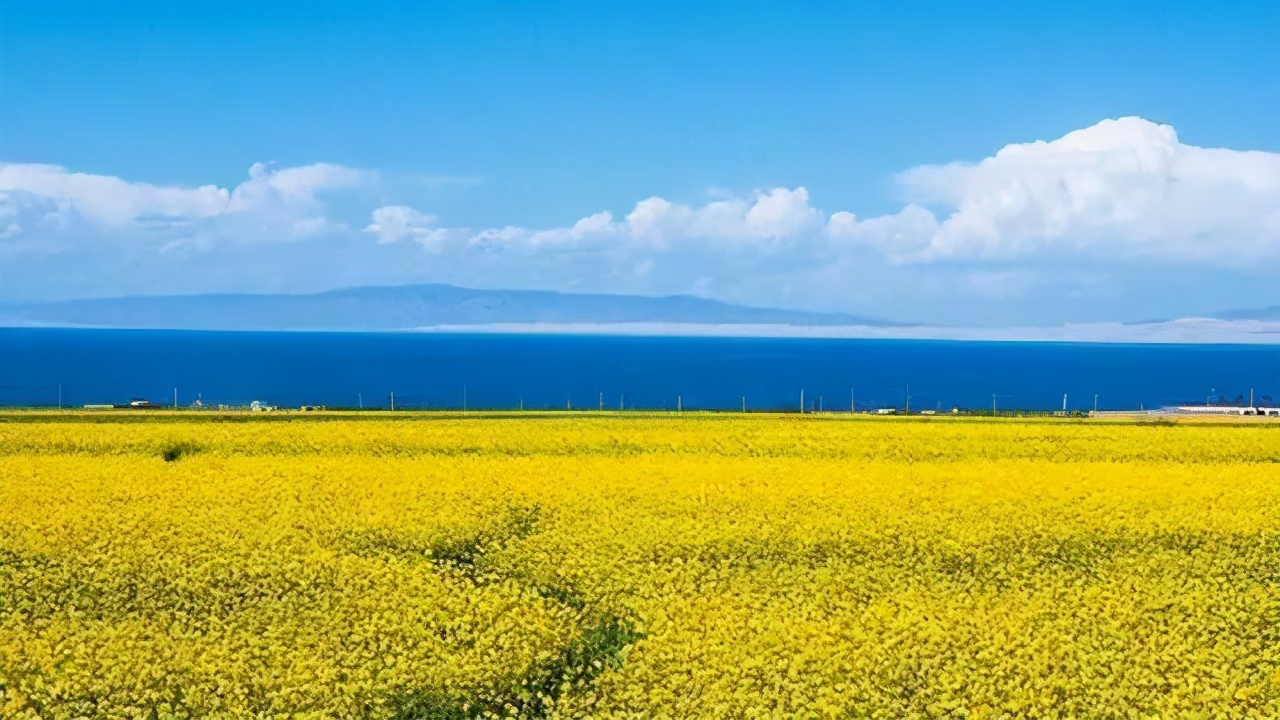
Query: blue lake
(505, 371)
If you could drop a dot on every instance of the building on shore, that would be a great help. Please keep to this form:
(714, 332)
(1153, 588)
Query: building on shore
(1225, 410)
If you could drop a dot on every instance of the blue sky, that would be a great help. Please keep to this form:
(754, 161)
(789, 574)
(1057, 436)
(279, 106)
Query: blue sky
(485, 131)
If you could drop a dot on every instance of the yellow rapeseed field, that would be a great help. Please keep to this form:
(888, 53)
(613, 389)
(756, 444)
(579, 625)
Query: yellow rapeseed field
(650, 566)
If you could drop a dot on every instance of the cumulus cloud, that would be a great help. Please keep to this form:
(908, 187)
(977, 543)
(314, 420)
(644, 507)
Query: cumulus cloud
(905, 231)
(53, 204)
(1063, 219)
(1117, 190)
(399, 222)
(759, 220)
(294, 186)
(595, 227)
(104, 200)
(776, 215)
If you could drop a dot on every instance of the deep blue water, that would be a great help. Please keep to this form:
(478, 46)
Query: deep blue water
(427, 370)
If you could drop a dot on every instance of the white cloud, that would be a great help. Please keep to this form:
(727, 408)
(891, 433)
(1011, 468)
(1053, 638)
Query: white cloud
(596, 226)
(1115, 191)
(908, 230)
(57, 206)
(782, 213)
(294, 186)
(399, 222)
(502, 236)
(1121, 204)
(761, 219)
(104, 200)
(1053, 218)
(777, 215)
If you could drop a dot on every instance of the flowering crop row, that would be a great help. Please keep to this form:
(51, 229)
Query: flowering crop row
(609, 435)
(674, 567)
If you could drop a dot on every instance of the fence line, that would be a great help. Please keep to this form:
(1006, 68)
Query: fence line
(870, 401)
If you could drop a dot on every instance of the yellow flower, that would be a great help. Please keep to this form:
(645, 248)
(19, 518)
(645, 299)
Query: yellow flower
(596, 565)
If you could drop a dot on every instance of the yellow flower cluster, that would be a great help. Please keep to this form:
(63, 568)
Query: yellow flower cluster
(648, 566)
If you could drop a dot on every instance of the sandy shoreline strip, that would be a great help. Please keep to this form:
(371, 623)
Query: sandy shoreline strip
(1190, 331)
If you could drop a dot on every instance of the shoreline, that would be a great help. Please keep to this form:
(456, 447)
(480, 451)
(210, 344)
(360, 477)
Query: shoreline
(1187, 331)
(1190, 331)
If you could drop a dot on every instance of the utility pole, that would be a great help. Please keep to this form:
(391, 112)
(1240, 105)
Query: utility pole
(1095, 403)
(801, 401)
(1250, 396)
(393, 401)
(1064, 402)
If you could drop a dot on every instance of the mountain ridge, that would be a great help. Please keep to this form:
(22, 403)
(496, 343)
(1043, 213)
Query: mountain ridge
(1264, 313)
(401, 307)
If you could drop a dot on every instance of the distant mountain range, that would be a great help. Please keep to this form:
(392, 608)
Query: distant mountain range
(446, 308)
(402, 308)
(1266, 314)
